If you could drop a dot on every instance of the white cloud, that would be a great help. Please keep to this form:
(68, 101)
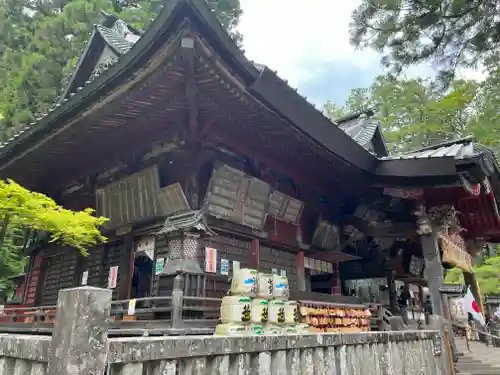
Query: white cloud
(306, 41)
(291, 35)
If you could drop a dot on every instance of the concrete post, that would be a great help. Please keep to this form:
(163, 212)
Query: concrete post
(79, 340)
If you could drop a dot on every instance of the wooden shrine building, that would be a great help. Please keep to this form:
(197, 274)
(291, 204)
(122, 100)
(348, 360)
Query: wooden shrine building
(203, 160)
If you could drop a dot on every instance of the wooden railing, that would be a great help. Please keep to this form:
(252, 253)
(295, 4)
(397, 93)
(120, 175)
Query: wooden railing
(80, 345)
(169, 315)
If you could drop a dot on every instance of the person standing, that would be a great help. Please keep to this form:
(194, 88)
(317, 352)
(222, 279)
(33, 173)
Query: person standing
(427, 309)
(403, 299)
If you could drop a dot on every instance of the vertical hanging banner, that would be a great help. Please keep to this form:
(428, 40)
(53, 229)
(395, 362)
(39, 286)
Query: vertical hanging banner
(85, 277)
(224, 267)
(210, 260)
(159, 265)
(131, 307)
(112, 277)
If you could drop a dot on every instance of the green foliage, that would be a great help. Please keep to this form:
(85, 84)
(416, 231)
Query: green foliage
(448, 34)
(23, 212)
(487, 275)
(416, 113)
(22, 209)
(40, 42)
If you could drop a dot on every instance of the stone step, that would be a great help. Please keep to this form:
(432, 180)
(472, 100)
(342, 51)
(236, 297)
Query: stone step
(476, 368)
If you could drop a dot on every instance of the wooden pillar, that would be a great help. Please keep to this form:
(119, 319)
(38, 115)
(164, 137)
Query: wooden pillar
(336, 287)
(301, 272)
(393, 293)
(421, 298)
(434, 270)
(254, 261)
(435, 279)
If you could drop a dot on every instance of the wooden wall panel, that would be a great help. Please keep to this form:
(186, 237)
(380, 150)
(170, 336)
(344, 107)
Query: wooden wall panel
(33, 282)
(116, 254)
(93, 264)
(161, 285)
(280, 260)
(60, 272)
(230, 248)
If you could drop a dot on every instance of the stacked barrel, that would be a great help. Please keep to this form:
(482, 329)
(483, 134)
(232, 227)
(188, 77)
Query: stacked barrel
(258, 304)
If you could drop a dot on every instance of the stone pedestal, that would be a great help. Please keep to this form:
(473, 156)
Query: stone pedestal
(79, 340)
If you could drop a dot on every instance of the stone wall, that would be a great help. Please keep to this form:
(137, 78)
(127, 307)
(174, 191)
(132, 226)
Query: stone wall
(384, 353)
(80, 345)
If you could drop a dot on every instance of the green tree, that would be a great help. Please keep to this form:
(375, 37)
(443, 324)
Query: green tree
(487, 275)
(23, 209)
(23, 212)
(448, 34)
(40, 42)
(415, 113)
(333, 111)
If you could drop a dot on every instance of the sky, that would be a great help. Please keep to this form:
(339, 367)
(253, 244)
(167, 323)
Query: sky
(307, 43)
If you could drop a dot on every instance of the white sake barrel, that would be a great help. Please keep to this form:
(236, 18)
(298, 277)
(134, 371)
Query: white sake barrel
(256, 330)
(276, 312)
(271, 329)
(259, 311)
(244, 282)
(235, 309)
(303, 328)
(291, 312)
(265, 287)
(230, 329)
(280, 287)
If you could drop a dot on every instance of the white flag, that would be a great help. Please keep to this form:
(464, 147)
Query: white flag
(471, 306)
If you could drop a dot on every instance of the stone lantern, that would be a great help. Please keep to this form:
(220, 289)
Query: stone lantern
(183, 233)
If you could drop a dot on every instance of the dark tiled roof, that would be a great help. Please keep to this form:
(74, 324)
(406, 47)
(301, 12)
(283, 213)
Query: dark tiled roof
(112, 37)
(359, 127)
(458, 149)
(362, 130)
(116, 41)
(260, 82)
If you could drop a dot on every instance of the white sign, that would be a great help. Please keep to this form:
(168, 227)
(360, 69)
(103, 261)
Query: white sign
(457, 310)
(210, 260)
(497, 312)
(131, 307)
(236, 266)
(283, 273)
(85, 277)
(112, 277)
(159, 266)
(146, 244)
(224, 267)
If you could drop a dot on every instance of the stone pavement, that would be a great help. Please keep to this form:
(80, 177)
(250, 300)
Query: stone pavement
(481, 360)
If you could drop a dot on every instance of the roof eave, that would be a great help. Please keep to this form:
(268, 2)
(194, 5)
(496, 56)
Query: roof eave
(301, 113)
(92, 41)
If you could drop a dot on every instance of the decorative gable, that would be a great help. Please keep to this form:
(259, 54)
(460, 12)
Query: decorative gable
(107, 43)
(365, 131)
